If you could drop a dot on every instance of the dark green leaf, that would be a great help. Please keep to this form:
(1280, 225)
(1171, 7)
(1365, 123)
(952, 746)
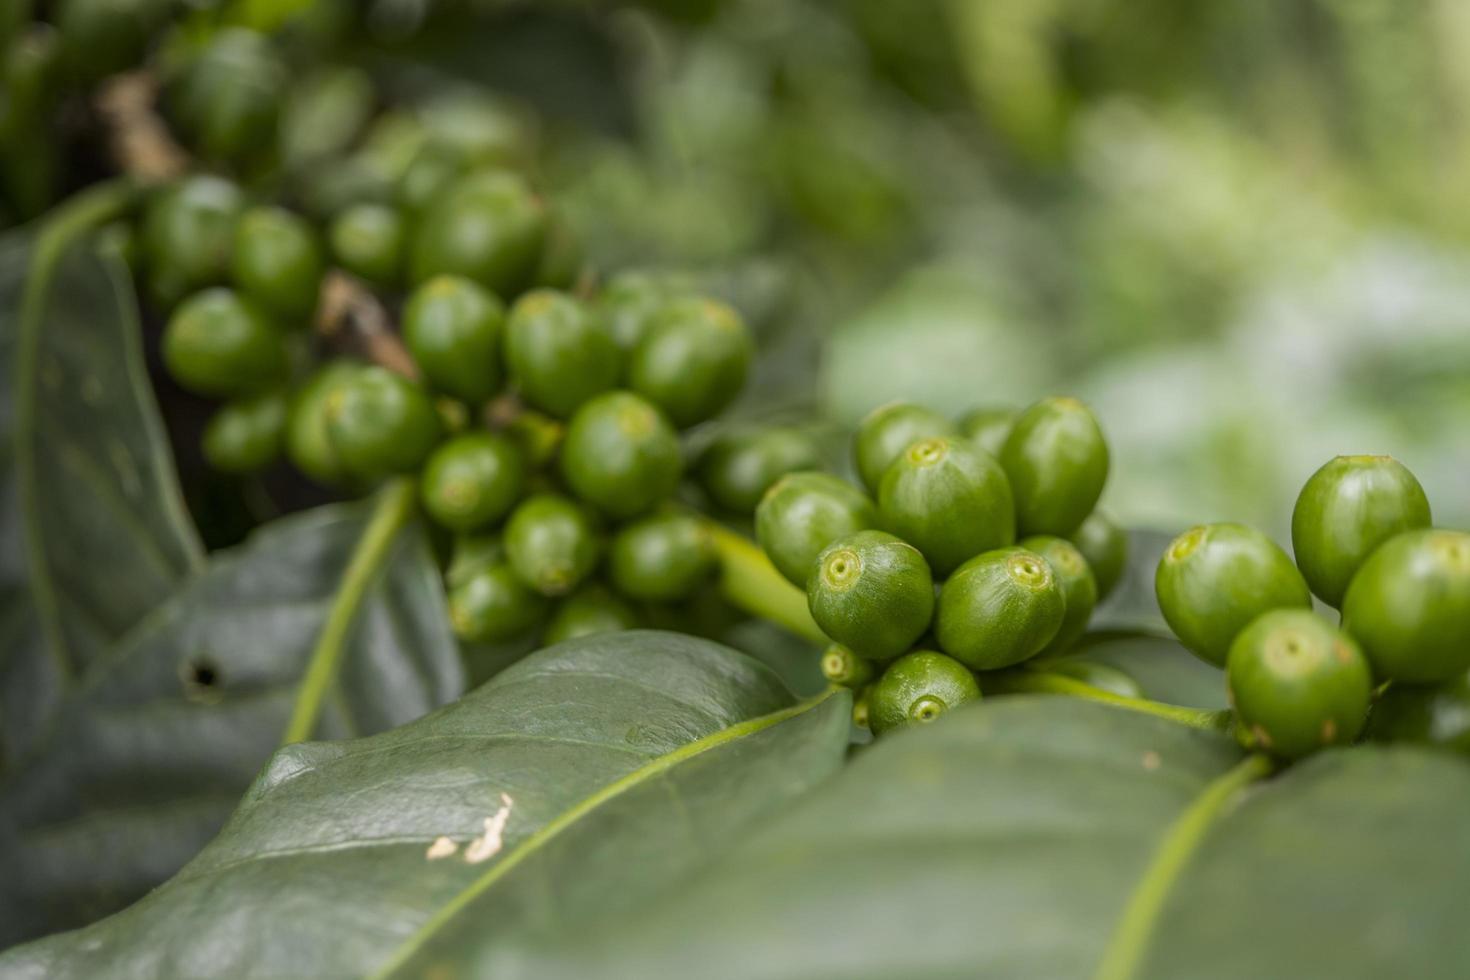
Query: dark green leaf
(619, 763)
(797, 661)
(1000, 842)
(1351, 865)
(483, 661)
(1009, 839)
(93, 532)
(1164, 670)
(150, 755)
(1133, 604)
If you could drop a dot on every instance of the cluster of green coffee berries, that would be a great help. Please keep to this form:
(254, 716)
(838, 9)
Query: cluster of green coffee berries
(975, 546)
(542, 422)
(544, 433)
(1361, 532)
(224, 85)
(603, 496)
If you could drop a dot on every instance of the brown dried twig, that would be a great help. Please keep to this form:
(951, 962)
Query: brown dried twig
(348, 310)
(140, 141)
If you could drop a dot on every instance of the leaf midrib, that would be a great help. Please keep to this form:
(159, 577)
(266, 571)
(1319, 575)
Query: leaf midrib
(587, 805)
(1128, 943)
(67, 225)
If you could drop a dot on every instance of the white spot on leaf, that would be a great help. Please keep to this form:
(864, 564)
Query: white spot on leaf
(441, 848)
(1151, 760)
(488, 844)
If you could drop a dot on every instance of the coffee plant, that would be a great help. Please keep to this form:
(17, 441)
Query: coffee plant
(392, 588)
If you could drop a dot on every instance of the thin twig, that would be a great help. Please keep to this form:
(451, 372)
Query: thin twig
(348, 310)
(140, 141)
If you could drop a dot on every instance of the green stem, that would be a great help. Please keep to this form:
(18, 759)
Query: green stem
(1126, 949)
(1040, 682)
(750, 582)
(394, 508)
(69, 222)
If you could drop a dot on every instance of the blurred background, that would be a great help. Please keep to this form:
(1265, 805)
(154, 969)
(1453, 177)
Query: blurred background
(1238, 229)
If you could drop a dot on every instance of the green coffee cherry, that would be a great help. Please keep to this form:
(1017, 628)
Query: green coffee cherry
(103, 37)
(491, 604)
(1101, 676)
(31, 56)
(245, 435)
(1297, 684)
(1215, 579)
(219, 344)
(488, 226)
(1079, 588)
(999, 608)
(558, 353)
(591, 609)
(485, 129)
(661, 558)
(917, 688)
(189, 234)
(692, 361)
(802, 513)
(380, 423)
(323, 115)
(841, 666)
(552, 543)
(888, 431)
(1105, 546)
(631, 301)
(620, 455)
(1409, 607)
(1347, 509)
(370, 241)
(31, 157)
(473, 480)
(392, 142)
(308, 446)
(988, 428)
(453, 328)
(949, 501)
(228, 100)
(871, 592)
(1424, 714)
(473, 553)
(433, 168)
(862, 705)
(739, 467)
(1057, 462)
(278, 263)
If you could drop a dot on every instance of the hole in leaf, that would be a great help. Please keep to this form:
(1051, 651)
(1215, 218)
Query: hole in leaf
(202, 679)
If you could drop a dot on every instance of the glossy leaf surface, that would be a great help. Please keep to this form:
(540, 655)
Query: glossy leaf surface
(577, 783)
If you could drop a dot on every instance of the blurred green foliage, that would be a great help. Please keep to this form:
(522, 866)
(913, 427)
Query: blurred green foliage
(1237, 228)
